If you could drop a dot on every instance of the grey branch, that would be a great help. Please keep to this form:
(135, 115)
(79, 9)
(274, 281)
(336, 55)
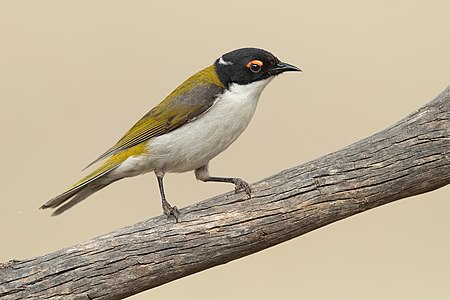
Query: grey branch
(406, 159)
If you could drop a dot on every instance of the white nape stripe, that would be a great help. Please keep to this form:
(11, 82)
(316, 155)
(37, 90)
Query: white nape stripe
(223, 62)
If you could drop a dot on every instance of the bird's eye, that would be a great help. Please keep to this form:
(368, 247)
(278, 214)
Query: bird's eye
(255, 65)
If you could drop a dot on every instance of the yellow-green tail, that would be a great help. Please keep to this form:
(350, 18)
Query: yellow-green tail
(79, 191)
(93, 182)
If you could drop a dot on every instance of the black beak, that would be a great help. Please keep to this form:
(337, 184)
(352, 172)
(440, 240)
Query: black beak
(284, 67)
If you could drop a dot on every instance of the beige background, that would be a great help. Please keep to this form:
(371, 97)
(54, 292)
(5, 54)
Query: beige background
(74, 75)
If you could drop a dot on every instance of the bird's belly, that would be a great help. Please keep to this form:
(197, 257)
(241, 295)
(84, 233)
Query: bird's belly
(189, 151)
(196, 143)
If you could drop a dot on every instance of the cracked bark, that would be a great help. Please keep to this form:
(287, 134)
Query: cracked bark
(406, 159)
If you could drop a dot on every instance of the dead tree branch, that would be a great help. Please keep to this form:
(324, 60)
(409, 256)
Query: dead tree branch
(406, 159)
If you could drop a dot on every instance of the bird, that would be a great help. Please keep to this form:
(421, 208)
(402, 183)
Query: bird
(200, 119)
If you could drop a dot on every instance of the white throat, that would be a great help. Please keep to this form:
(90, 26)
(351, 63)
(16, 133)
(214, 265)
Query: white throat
(246, 93)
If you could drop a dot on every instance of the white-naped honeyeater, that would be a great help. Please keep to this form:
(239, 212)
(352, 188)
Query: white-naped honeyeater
(201, 118)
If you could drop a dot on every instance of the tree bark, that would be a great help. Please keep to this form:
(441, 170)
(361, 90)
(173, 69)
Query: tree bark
(406, 159)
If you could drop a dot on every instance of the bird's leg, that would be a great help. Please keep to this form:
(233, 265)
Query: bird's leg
(167, 208)
(202, 174)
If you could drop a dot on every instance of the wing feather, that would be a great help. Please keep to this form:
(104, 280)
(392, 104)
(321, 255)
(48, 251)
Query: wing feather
(184, 104)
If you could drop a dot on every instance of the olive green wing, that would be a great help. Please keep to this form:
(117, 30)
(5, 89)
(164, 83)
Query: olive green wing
(183, 105)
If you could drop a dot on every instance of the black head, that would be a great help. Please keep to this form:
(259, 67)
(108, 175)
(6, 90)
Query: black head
(247, 65)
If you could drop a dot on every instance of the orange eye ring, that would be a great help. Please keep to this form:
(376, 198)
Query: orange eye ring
(255, 68)
(254, 65)
(255, 62)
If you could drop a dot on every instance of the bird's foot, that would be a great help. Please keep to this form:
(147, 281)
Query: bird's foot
(241, 185)
(171, 211)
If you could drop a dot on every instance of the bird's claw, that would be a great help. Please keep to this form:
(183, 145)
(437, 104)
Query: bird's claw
(241, 185)
(171, 211)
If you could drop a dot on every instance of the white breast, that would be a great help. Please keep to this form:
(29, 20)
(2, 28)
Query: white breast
(197, 142)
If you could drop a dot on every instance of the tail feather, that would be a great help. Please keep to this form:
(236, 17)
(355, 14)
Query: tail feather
(81, 190)
(60, 199)
(80, 196)
(93, 182)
